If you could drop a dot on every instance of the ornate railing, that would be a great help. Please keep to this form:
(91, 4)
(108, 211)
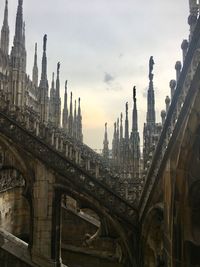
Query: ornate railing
(181, 101)
(68, 157)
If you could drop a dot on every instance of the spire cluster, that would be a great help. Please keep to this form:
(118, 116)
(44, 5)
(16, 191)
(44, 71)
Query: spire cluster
(23, 93)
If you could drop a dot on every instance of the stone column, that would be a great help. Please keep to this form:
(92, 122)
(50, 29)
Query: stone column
(45, 250)
(56, 228)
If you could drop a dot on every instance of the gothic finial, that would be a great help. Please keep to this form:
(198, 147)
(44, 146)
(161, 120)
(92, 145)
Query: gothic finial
(19, 24)
(5, 31)
(6, 13)
(134, 93)
(71, 96)
(58, 68)
(151, 63)
(66, 84)
(126, 109)
(106, 127)
(52, 83)
(118, 125)
(35, 48)
(45, 43)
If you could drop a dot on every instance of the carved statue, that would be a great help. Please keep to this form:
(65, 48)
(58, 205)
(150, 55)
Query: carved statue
(151, 63)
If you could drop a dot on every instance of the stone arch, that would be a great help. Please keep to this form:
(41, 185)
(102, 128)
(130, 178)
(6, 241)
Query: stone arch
(15, 191)
(152, 237)
(109, 223)
(186, 192)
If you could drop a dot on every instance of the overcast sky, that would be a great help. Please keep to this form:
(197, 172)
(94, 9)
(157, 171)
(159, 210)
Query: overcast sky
(104, 48)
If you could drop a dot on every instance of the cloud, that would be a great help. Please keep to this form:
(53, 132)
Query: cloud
(108, 78)
(114, 87)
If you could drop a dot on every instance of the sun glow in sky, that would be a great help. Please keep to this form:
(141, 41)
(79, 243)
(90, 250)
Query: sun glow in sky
(104, 48)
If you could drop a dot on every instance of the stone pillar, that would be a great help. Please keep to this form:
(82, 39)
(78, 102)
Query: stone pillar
(45, 250)
(56, 228)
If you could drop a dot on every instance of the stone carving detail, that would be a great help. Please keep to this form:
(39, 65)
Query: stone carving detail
(10, 178)
(183, 92)
(67, 166)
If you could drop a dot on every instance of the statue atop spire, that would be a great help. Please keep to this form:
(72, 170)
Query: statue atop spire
(134, 115)
(150, 95)
(151, 63)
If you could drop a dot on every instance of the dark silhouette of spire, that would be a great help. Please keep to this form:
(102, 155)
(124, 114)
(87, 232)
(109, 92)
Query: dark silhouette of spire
(18, 39)
(57, 100)
(134, 116)
(43, 81)
(44, 87)
(58, 81)
(135, 138)
(53, 82)
(75, 122)
(52, 101)
(5, 31)
(71, 116)
(106, 143)
(150, 97)
(121, 127)
(65, 111)
(114, 147)
(126, 125)
(79, 122)
(35, 68)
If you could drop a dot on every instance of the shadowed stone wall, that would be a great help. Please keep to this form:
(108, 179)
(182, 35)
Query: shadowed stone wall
(15, 213)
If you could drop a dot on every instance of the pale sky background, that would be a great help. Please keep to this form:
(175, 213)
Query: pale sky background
(104, 48)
